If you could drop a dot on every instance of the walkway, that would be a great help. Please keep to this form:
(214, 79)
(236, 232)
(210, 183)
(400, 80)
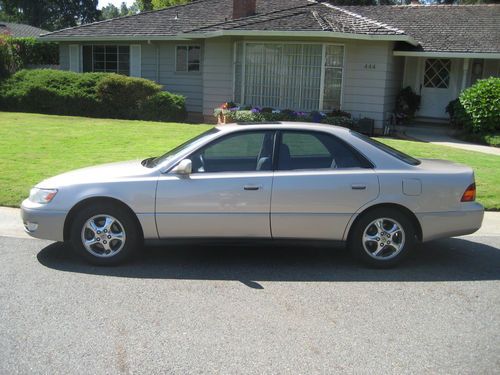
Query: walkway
(440, 135)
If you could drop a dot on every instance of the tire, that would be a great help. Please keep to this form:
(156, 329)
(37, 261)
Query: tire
(110, 233)
(382, 237)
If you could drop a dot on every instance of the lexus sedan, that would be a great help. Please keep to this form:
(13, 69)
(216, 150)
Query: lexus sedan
(271, 181)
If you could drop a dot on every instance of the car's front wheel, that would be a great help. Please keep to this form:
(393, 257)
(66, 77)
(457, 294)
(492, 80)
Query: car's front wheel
(104, 234)
(382, 237)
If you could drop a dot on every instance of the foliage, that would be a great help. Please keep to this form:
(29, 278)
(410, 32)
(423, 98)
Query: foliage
(344, 121)
(51, 14)
(407, 103)
(122, 96)
(111, 11)
(88, 94)
(481, 104)
(164, 106)
(159, 4)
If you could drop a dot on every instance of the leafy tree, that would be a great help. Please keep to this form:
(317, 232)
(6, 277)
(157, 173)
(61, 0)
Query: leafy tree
(124, 9)
(159, 4)
(144, 5)
(109, 11)
(51, 14)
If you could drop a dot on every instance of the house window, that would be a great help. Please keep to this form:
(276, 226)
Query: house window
(437, 73)
(188, 59)
(289, 75)
(106, 58)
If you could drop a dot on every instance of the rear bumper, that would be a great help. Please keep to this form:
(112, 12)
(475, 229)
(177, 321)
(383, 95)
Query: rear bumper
(43, 223)
(453, 223)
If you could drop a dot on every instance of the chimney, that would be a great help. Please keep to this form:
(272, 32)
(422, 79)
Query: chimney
(243, 8)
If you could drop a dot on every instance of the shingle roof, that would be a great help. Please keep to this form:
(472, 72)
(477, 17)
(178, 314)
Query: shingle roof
(437, 28)
(20, 30)
(472, 28)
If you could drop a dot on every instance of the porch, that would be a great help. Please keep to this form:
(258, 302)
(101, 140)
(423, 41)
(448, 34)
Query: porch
(439, 78)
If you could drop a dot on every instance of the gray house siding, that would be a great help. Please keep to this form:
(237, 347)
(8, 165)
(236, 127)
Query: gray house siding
(158, 64)
(63, 56)
(217, 74)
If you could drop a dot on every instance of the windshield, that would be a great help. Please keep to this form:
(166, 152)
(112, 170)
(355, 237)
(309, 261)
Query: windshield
(388, 149)
(185, 145)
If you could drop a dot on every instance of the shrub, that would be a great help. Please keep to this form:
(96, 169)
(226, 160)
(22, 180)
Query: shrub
(407, 103)
(123, 96)
(164, 106)
(481, 104)
(339, 121)
(456, 111)
(88, 94)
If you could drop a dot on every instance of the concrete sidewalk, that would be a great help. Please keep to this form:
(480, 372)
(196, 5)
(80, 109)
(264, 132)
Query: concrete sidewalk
(11, 224)
(442, 136)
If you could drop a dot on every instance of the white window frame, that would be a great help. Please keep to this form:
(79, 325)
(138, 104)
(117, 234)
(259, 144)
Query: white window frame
(187, 71)
(323, 59)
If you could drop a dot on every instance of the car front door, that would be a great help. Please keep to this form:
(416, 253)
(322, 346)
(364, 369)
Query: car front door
(227, 194)
(320, 182)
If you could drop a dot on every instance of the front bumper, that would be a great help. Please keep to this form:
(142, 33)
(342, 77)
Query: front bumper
(40, 222)
(453, 223)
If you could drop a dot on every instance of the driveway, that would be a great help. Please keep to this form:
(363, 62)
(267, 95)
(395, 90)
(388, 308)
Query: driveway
(254, 310)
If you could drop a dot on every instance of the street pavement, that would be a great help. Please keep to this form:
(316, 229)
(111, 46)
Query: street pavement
(246, 309)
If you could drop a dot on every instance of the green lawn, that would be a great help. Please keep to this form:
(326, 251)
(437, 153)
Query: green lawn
(34, 147)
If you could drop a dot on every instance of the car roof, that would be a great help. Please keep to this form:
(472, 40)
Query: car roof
(279, 125)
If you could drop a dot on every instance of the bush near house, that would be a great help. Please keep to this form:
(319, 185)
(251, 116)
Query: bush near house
(89, 94)
(18, 53)
(231, 112)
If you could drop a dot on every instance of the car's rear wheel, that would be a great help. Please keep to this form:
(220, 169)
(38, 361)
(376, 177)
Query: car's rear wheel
(382, 237)
(104, 234)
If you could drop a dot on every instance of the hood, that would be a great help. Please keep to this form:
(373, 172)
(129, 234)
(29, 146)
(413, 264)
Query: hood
(100, 173)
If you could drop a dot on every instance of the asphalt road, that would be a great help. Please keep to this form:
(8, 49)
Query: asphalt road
(261, 310)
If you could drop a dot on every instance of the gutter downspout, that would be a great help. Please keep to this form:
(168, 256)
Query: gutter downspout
(157, 63)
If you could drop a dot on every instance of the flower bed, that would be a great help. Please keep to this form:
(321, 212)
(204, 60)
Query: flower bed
(231, 112)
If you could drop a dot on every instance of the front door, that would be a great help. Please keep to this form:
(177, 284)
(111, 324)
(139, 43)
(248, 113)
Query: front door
(228, 193)
(436, 88)
(319, 184)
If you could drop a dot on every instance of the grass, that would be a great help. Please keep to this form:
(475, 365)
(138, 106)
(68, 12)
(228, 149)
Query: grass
(34, 147)
(483, 139)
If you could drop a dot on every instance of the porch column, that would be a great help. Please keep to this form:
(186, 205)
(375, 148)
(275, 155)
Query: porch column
(464, 73)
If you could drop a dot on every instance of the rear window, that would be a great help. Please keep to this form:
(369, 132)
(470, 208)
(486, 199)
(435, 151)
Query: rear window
(388, 149)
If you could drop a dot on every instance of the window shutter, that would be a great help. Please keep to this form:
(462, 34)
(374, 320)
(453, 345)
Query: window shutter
(135, 60)
(74, 58)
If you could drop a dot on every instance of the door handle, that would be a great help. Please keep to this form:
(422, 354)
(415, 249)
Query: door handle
(251, 187)
(358, 187)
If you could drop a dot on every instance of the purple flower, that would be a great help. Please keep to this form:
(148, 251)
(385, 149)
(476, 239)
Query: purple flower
(256, 110)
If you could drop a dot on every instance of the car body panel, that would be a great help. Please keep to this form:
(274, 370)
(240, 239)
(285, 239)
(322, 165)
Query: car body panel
(319, 204)
(214, 205)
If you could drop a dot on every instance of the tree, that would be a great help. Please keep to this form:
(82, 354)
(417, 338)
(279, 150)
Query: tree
(51, 14)
(123, 9)
(109, 11)
(160, 4)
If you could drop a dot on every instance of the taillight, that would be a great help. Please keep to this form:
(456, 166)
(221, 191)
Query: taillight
(469, 194)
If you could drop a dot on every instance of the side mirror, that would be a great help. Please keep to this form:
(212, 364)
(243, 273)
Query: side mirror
(184, 167)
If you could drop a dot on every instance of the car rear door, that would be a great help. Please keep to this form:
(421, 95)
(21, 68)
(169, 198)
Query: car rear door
(228, 193)
(319, 183)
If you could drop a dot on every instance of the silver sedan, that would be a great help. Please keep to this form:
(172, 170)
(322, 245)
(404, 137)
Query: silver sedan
(268, 181)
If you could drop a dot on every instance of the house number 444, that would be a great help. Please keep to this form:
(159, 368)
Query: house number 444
(370, 66)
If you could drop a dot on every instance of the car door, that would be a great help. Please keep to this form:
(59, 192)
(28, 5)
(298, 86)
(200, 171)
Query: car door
(227, 194)
(319, 183)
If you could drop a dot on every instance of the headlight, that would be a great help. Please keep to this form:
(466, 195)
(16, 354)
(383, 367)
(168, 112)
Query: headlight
(42, 195)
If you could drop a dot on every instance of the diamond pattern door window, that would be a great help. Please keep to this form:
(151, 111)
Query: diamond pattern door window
(437, 73)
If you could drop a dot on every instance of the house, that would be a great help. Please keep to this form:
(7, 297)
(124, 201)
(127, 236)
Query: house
(297, 54)
(19, 30)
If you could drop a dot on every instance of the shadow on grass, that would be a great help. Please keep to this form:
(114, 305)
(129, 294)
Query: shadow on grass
(455, 259)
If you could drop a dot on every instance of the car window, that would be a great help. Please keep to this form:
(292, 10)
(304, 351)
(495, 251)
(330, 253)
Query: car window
(241, 152)
(315, 150)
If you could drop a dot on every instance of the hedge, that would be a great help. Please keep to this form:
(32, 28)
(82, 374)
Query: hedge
(89, 94)
(19, 53)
